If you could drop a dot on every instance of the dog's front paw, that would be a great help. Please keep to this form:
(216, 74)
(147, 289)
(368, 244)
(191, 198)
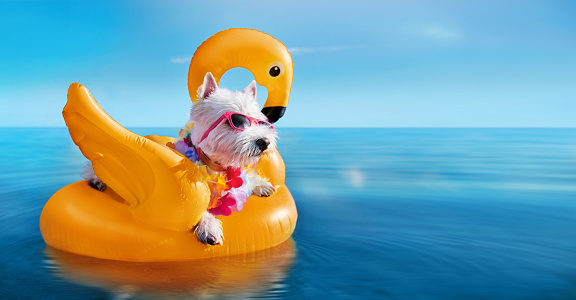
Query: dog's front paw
(209, 230)
(265, 189)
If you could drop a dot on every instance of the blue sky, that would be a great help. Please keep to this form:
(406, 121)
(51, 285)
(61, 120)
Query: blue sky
(357, 63)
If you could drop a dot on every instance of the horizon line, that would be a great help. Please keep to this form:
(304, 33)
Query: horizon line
(335, 127)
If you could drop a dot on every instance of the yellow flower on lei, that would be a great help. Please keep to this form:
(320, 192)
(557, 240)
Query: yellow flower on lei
(184, 132)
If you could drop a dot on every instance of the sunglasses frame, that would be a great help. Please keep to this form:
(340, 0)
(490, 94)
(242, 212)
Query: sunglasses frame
(228, 115)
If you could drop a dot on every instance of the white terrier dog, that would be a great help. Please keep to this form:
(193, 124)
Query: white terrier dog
(228, 133)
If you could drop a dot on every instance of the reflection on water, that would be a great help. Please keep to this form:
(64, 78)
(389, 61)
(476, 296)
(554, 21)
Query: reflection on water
(383, 214)
(242, 276)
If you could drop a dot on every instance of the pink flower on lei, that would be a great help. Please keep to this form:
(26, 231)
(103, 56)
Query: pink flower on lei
(235, 196)
(233, 178)
(241, 196)
(224, 209)
(233, 201)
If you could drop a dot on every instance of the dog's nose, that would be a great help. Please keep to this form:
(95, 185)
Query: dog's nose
(262, 143)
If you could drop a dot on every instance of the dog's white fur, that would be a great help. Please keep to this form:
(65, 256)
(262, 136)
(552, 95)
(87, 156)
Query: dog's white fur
(224, 145)
(209, 230)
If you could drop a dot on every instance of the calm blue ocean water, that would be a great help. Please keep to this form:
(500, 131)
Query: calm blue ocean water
(383, 214)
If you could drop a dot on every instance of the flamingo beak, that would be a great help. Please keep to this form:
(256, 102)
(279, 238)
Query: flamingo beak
(273, 113)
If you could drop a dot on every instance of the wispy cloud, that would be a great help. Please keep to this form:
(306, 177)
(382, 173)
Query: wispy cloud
(180, 60)
(441, 33)
(434, 32)
(297, 50)
(293, 50)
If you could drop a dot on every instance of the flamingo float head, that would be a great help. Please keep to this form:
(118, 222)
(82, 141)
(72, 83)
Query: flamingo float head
(264, 56)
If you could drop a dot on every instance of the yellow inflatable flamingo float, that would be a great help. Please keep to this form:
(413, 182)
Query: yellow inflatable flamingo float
(155, 195)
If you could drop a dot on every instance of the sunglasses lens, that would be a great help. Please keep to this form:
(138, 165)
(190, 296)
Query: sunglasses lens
(262, 123)
(239, 121)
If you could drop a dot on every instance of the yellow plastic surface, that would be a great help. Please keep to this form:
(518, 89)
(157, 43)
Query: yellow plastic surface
(249, 49)
(155, 195)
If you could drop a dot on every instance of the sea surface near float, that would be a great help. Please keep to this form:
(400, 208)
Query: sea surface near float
(383, 213)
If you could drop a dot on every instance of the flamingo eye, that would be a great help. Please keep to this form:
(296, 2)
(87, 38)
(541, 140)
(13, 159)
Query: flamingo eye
(275, 69)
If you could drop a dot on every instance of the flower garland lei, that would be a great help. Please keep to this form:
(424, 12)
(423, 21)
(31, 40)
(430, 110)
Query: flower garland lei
(230, 189)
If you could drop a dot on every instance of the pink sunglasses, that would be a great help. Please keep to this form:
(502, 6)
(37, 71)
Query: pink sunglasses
(237, 121)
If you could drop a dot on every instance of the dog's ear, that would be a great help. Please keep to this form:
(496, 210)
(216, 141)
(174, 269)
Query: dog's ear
(208, 87)
(251, 89)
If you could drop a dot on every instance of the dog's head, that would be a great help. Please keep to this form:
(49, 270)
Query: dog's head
(232, 139)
